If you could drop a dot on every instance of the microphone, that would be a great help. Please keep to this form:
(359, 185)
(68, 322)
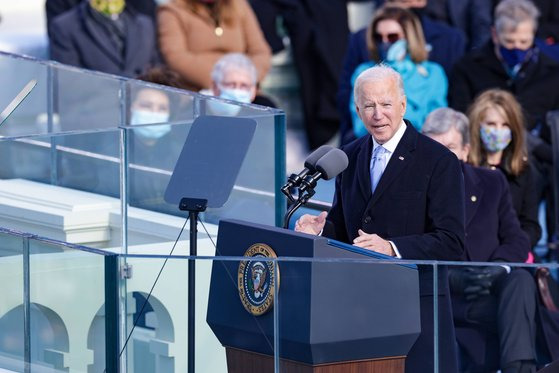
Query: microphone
(310, 163)
(329, 166)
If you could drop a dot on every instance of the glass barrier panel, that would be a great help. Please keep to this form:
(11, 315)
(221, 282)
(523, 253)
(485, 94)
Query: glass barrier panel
(63, 187)
(30, 117)
(12, 337)
(85, 100)
(158, 337)
(67, 315)
(505, 315)
(149, 103)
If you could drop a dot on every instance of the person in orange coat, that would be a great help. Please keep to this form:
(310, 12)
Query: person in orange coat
(194, 34)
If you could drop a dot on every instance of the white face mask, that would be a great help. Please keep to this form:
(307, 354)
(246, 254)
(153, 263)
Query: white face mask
(148, 117)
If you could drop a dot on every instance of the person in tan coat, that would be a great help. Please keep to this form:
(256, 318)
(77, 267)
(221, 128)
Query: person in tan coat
(194, 34)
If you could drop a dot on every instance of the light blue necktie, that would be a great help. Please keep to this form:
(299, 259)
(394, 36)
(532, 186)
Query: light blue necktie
(378, 163)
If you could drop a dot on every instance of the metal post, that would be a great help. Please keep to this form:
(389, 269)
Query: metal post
(436, 318)
(51, 91)
(193, 216)
(276, 320)
(26, 307)
(112, 342)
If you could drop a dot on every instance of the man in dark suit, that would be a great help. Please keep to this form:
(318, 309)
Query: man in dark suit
(118, 42)
(494, 307)
(416, 210)
(54, 8)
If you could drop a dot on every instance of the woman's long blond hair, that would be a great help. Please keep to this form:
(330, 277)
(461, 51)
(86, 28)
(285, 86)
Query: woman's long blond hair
(413, 32)
(515, 154)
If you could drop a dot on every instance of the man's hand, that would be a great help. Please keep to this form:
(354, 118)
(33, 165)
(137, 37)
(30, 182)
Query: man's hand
(311, 224)
(373, 242)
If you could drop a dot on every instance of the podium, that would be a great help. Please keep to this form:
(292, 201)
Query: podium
(341, 313)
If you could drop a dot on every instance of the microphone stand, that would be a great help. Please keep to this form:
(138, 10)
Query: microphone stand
(193, 206)
(303, 199)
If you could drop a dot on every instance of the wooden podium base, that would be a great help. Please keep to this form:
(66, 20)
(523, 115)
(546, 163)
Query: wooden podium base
(240, 361)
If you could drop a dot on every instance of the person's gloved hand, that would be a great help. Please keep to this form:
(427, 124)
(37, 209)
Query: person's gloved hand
(474, 282)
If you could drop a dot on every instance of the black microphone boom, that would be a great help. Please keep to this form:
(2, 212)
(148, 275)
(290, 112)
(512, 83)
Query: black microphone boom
(310, 163)
(327, 167)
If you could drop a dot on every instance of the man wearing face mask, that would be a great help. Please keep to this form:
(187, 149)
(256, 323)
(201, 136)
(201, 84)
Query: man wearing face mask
(104, 35)
(234, 78)
(511, 61)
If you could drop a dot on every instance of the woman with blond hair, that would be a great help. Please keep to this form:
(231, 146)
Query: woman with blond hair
(194, 34)
(395, 38)
(498, 141)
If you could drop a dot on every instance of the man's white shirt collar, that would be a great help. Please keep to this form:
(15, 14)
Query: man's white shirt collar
(391, 144)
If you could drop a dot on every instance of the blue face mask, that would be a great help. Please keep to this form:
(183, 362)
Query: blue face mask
(514, 56)
(495, 139)
(393, 51)
(222, 108)
(240, 95)
(149, 117)
(152, 132)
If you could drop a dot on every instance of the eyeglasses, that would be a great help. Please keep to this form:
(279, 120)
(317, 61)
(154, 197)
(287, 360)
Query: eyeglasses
(236, 85)
(391, 38)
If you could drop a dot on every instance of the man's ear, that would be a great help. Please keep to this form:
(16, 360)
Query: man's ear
(252, 93)
(466, 152)
(494, 37)
(358, 111)
(215, 89)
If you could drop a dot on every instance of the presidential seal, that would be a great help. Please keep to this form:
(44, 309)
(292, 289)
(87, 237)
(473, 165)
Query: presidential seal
(257, 279)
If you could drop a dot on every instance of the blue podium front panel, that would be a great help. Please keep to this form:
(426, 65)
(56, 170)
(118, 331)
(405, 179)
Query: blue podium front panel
(336, 302)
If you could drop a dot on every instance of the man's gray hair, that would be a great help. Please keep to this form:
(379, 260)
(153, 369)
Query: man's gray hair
(237, 61)
(510, 13)
(377, 73)
(442, 120)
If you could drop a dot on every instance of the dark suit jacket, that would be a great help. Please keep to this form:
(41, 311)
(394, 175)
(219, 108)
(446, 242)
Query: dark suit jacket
(493, 233)
(419, 205)
(523, 192)
(474, 17)
(54, 8)
(77, 41)
(480, 70)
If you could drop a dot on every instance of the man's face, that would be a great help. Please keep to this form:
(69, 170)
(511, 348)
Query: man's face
(381, 108)
(452, 139)
(522, 37)
(235, 79)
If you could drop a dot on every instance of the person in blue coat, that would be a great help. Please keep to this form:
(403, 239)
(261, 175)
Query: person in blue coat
(104, 35)
(395, 37)
(441, 45)
(408, 205)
